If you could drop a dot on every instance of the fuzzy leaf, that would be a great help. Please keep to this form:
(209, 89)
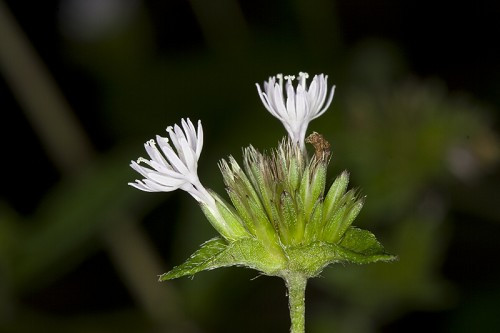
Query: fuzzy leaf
(216, 253)
(199, 261)
(364, 246)
(358, 246)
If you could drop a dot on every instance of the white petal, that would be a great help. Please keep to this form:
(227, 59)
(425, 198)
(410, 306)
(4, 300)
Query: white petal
(302, 108)
(279, 103)
(330, 98)
(154, 186)
(290, 103)
(189, 158)
(199, 142)
(174, 160)
(140, 169)
(155, 155)
(173, 138)
(265, 101)
(188, 133)
(141, 186)
(165, 180)
(312, 93)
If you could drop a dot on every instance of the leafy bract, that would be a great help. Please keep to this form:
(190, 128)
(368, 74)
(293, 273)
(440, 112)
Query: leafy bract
(215, 253)
(357, 246)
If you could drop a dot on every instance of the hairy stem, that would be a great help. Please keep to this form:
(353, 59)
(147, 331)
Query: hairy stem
(296, 284)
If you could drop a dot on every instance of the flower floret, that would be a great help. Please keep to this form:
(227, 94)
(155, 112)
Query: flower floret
(169, 169)
(301, 104)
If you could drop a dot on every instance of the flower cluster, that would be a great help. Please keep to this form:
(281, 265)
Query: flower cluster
(170, 168)
(282, 220)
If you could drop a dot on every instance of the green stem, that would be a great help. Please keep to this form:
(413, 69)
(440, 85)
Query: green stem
(296, 284)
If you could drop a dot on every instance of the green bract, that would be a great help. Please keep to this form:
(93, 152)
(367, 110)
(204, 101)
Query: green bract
(283, 221)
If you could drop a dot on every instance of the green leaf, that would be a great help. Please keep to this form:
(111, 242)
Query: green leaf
(358, 246)
(199, 261)
(215, 253)
(361, 247)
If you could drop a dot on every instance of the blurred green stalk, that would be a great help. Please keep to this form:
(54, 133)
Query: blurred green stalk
(69, 147)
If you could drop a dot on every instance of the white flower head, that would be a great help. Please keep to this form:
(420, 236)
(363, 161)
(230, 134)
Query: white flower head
(168, 169)
(301, 105)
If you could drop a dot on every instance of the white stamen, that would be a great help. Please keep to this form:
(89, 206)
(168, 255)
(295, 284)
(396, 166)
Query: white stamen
(302, 78)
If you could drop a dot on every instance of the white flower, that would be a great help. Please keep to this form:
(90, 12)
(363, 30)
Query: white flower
(169, 170)
(302, 104)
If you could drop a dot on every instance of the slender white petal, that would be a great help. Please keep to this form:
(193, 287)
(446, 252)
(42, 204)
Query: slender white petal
(140, 185)
(301, 104)
(199, 141)
(171, 168)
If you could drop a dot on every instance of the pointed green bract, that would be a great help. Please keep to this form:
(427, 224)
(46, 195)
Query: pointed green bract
(230, 216)
(364, 245)
(336, 191)
(217, 253)
(290, 217)
(317, 187)
(217, 222)
(358, 246)
(199, 261)
(314, 227)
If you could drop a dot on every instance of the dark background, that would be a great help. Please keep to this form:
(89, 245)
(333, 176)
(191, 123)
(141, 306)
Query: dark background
(414, 119)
